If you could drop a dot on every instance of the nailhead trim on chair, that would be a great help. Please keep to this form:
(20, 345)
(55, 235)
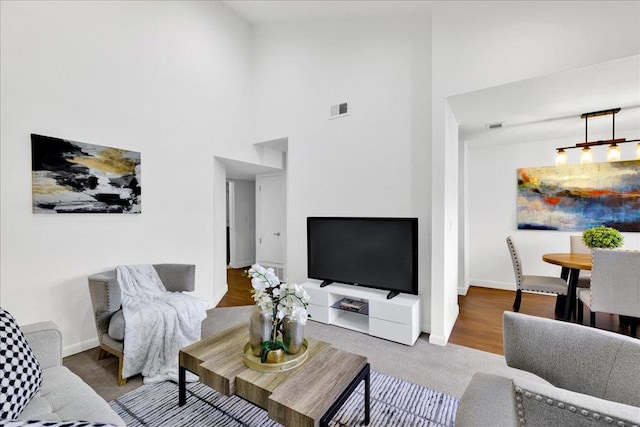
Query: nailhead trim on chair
(561, 405)
(516, 261)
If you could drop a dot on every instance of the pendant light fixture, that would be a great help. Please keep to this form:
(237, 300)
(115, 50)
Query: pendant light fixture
(613, 153)
(586, 155)
(561, 157)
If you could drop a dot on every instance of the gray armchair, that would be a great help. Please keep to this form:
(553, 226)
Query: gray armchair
(615, 286)
(586, 377)
(106, 299)
(548, 284)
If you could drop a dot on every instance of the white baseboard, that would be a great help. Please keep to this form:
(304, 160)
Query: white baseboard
(80, 347)
(241, 264)
(437, 340)
(507, 286)
(217, 297)
(442, 340)
(462, 290)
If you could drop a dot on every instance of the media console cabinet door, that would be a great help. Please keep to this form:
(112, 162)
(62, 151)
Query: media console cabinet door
(396, 319)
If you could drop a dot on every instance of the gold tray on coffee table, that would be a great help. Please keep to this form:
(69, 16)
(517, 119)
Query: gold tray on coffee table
(291, 361)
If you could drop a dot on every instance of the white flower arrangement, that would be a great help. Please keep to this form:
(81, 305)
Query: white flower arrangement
(282, 299)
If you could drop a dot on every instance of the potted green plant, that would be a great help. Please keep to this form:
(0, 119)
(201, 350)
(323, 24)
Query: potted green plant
(602, 237)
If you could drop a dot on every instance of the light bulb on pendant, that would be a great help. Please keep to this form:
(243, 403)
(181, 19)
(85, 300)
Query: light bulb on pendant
(638, 151)
(586, 156)
(613, 153)
(561, 157)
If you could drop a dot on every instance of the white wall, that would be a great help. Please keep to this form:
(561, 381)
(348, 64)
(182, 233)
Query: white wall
(478, 45)
(492, 210)
(370, 163)
(169, 79)
(243, 223)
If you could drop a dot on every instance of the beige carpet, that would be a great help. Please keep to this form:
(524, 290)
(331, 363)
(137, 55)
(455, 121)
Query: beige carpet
(448, 369)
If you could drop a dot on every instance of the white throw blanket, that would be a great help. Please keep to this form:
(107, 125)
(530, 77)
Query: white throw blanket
(157, 323)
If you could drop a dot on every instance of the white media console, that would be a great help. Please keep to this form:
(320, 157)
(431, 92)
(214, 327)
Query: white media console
(396, 319)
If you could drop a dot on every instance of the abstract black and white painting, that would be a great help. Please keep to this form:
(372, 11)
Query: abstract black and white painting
(76, 177)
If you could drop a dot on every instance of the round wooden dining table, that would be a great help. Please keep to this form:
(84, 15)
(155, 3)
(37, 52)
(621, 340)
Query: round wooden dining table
(571, 264)
(569, 260)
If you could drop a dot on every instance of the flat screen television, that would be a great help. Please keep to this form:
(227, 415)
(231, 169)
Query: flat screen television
(380, 253)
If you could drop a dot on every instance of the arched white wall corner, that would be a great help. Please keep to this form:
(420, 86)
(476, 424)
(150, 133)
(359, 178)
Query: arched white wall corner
(220, 229)
(444, 260)
(463, 219)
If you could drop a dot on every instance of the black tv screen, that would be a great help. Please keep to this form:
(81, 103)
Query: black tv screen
(375, 252)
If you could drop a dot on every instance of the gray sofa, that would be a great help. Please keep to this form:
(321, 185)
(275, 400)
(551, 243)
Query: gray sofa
(63, 395)
(588, 377)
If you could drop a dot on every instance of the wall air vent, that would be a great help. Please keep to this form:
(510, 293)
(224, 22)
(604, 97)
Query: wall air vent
(339, 110)
(490, 126)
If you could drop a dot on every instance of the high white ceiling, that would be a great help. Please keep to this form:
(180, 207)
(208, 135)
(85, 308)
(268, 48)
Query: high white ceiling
(262, 11)
(548, 107)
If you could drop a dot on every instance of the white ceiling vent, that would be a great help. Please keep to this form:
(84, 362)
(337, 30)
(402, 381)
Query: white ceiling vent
(339, 110)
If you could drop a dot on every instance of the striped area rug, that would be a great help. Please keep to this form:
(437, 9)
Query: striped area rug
(394, 402)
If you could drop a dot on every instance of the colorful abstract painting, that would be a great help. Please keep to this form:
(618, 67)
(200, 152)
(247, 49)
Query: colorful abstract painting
(577, 197)
(75, 177)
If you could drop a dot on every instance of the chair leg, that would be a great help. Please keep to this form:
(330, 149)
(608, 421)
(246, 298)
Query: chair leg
(580, 314)
(592, 321)
(624, 320)
(102, 354)
(516, 303)
(121, 381)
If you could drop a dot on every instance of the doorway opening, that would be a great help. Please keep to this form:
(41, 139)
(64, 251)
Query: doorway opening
(244, 226)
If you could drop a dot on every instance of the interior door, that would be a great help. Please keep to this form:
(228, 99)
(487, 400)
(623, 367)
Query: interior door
(271, 219)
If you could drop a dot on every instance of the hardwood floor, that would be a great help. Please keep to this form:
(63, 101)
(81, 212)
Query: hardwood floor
(479, 323)
(239, 292)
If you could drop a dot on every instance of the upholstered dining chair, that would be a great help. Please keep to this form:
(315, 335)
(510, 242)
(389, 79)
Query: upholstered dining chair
(578, 247)
(615, 286)
(547, 284)
(106, 298)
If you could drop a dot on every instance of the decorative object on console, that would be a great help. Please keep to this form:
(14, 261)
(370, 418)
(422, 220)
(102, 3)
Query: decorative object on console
(577, 197)
(76, 177)
(353, 305)
(602, 237)
(277, 322)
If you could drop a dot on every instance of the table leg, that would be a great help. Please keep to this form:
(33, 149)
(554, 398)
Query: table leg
(363, 375)
(367, 397)
(182, 386)
(570, 306)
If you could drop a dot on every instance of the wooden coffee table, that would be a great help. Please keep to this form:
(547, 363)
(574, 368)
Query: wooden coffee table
(309, 395)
